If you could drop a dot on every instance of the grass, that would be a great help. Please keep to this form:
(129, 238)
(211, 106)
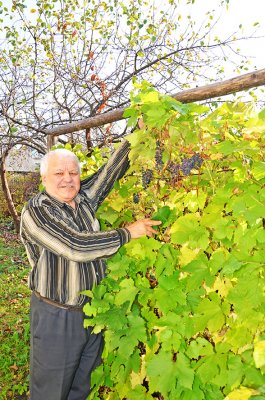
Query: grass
(14, 314)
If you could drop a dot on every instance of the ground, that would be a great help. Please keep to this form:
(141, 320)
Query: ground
(14, 314)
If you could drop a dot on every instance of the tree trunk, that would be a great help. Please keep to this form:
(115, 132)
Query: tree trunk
(7, 194)
(237, 84)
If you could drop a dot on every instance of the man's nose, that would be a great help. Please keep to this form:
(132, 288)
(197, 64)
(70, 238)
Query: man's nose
(67, 177)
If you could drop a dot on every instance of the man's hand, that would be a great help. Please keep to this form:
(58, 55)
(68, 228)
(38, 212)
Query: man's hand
(142, 227)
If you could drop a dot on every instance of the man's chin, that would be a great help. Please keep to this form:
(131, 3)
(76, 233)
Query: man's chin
(68, 195)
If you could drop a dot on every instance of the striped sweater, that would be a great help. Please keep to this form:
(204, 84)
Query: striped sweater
(65, 246)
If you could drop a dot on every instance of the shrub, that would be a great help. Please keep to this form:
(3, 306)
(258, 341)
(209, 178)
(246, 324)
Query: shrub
(22, 187)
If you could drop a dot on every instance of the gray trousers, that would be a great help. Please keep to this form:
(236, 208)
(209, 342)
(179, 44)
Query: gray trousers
(62, 353)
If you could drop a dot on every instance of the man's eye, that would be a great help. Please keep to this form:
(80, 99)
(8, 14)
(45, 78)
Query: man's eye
(74, 173)
(58, 173)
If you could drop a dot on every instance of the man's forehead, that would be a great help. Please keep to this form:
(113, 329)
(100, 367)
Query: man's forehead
(62, 162)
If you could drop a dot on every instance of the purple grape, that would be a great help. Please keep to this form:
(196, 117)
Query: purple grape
(173, 168)
(186, 166)
(158, 156)
(191, 163)
(197, 160)
(147, 176)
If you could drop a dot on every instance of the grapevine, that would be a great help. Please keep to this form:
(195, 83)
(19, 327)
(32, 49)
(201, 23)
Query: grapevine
(183, 312)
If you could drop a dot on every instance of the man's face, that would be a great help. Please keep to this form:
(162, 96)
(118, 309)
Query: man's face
(62, 179)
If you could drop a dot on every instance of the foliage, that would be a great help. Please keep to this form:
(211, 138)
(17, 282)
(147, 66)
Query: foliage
(14, 312)
(183, 313)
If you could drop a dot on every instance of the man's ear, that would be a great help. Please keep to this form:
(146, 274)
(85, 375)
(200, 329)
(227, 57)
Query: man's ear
(43, 179)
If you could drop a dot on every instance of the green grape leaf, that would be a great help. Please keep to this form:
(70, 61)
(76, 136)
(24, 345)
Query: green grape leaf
(258, 170)
(156, 367)
(194, 201)
(127, 293)
(207, 368)
(223, 228)
(130, 338)
(235, 371)
(184, 373)
(187, 230)
(209, 314)
(198, 273)
(199, 347)
(163, 215)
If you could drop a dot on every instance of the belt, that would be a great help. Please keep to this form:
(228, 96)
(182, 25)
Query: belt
(57, 304)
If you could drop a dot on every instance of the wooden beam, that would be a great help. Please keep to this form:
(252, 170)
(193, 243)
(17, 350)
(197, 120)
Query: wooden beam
(233, 85)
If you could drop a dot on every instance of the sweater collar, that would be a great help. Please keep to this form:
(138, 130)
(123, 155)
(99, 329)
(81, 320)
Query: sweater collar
(78, 199)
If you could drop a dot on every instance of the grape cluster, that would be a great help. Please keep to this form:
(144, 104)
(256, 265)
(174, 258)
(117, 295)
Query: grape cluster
(174, 170)
(190, 163)
(158, 156)
(186, 166)
(147, 176)
(197, 161)
(136, 198)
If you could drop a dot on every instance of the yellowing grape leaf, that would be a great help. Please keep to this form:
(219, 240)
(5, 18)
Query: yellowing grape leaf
(243, 393)
(259, 354)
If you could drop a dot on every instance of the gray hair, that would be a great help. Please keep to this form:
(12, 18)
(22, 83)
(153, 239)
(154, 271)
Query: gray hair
(60, 152)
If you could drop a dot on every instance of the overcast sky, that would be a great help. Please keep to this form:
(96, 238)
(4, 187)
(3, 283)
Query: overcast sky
(245, 12)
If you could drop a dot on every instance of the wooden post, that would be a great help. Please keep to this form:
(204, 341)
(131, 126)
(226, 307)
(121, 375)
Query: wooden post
(50, 142)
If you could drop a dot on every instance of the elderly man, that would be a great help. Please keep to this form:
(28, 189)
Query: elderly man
(66, 250)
